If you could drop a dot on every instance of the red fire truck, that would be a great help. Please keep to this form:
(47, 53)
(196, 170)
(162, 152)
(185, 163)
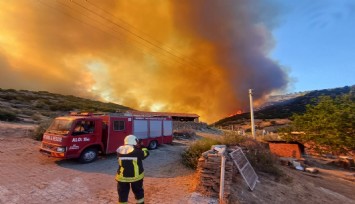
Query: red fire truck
(85, 135)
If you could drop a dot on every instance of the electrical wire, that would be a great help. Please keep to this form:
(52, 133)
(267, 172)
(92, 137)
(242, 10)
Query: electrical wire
(100, 28)
(139, 39)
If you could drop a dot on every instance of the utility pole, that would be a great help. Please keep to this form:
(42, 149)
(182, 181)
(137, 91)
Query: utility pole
(252, 113)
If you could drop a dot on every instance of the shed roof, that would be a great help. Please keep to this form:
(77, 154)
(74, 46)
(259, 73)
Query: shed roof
(145, 113)
(283, 142)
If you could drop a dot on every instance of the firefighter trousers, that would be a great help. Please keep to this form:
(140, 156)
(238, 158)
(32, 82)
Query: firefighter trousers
(123, 191)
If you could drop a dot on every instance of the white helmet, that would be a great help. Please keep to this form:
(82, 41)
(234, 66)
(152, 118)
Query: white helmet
(130, 140)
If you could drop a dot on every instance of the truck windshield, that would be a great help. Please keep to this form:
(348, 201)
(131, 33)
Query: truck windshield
(60, 126)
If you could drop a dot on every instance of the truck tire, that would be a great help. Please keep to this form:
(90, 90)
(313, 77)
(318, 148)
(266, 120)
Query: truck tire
(153, 144)
(88, 155)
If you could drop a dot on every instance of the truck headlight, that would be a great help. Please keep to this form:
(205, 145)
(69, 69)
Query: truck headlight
(61, 149)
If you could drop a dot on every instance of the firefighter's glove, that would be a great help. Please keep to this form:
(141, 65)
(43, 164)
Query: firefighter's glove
(139, 144)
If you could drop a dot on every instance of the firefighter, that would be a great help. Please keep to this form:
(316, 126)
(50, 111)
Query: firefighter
(130, 172)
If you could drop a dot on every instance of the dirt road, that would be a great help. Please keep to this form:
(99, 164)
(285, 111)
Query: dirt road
(29, 177)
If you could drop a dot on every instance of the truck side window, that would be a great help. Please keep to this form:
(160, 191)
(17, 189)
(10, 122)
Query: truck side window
(84, 127)
(118, 125)
(89, 126)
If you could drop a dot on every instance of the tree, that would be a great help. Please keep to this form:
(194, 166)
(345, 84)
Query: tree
(329, 124)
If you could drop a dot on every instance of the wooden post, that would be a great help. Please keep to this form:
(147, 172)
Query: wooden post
(252, 113)
(221, 185)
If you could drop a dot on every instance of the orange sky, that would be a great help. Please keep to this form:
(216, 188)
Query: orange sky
(195, 57)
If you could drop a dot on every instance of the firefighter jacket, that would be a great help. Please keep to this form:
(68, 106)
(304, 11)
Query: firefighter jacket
(130, 165)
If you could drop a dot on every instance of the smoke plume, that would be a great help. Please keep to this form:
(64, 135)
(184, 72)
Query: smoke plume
(175, 56)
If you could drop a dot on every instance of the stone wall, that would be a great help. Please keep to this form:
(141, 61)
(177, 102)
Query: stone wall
(209, 171)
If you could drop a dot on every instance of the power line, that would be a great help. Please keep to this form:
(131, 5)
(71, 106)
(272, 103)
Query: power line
(131, 26)
(139, 39)
(100, 28)
(146, 36)
(130, 32)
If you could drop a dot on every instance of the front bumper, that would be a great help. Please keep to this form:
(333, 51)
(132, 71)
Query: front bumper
(52, 154)
(50, 150)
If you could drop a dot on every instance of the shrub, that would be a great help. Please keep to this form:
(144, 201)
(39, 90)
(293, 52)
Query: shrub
(194, 151)
(36, 117)
(49, 114)
(184, 134)
(231, 138)
(61, 107)
(7, 115)
(27, 112)
(42, 127)
(40, 104)
(8, 97)
(11, 90)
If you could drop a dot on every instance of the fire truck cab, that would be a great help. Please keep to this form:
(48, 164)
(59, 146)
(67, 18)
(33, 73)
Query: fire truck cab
(85, 135)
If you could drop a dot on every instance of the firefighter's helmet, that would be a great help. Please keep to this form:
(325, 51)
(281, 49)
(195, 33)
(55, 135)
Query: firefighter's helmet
(130, 140)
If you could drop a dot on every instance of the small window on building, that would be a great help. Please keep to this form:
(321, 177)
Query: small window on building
(118, 125)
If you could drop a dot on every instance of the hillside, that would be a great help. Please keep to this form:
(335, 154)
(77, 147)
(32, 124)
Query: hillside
(33, 107)
(283, 109)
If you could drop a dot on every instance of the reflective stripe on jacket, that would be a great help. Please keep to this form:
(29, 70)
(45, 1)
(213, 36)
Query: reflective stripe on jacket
(130, 165)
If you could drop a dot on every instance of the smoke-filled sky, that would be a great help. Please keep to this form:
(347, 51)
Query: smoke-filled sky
(175, 56)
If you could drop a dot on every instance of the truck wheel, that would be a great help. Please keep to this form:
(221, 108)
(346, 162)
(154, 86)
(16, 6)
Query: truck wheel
(88, 155)
(153, 144)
